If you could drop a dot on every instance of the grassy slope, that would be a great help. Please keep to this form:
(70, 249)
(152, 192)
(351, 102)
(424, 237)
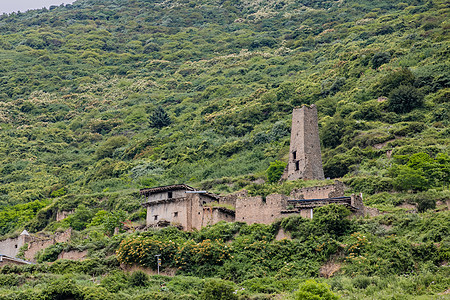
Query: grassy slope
(76, 80)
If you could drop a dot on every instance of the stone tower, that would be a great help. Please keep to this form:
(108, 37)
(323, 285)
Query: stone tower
(305, 159)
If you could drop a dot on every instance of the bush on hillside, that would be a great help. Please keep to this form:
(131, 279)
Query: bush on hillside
(404, 99)
(275, 171)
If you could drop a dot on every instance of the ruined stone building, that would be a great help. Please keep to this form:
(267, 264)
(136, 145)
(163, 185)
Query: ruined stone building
(10, 247)
(183, 206)
(190, 209)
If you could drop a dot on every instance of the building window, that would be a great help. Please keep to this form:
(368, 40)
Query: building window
(156, 217)
(15, 246)
(294, 155)
(297, 165)
(175, 214)
(169, 195)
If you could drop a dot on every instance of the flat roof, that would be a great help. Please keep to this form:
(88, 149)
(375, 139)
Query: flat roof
(166, 188)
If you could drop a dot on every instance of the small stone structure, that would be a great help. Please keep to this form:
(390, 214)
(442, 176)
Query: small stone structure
(11, 246)
(305, 158)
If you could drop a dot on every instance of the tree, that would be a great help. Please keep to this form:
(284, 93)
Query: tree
(404, 99)
(275, 171)
(159, 118)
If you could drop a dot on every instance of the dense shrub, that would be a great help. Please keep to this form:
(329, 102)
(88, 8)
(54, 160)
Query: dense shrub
(332, 219)
(312, 290)
(138, 278)
(218, 289)
(404, 99)
(275, 171)
(380, 58)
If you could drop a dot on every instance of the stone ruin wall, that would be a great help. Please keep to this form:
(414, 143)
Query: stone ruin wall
(9, 262)
(259, 210)
(73, 255)
(213, 215)
(319, 192)
(37, 245)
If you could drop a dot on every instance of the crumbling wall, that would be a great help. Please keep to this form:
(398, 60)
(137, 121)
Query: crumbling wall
(213, 215)
(61, 215)
(37, 245)
(319, 192)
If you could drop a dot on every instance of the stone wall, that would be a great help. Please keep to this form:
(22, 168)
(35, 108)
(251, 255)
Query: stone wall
(73, 255)
(173, 211)
(319, 192)
(259, 210)
(11, 262)
(213, 215)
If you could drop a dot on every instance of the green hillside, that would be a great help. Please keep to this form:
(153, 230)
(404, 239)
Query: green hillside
(101, 98)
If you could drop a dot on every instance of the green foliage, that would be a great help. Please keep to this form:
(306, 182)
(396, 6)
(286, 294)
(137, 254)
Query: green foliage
(275, 171)
(312, 290)
(115, 281)
(113, 220)
(63, 288)
(107, 148)
(50, 254)
(11, 218)
(80, 218)
(420, 171)
(218, 289)
(379, 59)
(332, 219)
(138, 278)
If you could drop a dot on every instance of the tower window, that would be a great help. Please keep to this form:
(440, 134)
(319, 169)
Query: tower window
(175, 214)
(294, 155)
(156, 217)
(169, 195)
(297, 165)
